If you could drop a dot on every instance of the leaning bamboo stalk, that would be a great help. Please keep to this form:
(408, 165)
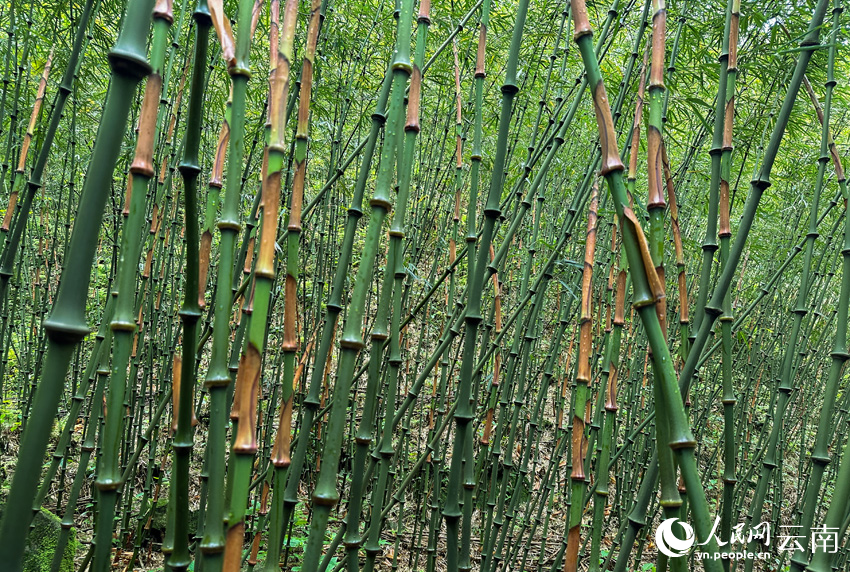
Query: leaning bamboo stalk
(325, 494)
(477, 264)
(25, 145)
(8, 256)
(281, 453)
(838, 356)
(18, 224)
(123, 323)
(190, 311)
(583, 377)
(236, 54)
(315, 398)
(66, 325)
(645, 282)
(394, 279)
(250, 364)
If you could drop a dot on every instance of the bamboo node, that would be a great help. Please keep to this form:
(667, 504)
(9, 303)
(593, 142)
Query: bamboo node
(118, 325)
(683, 444)
(403, 66)
(382, 203)
(64, 332)
(229, 225)
(108, 484)
(355, 345)
(237, 71)
(129, 64)
(142, 168)
(509, 89)
(325, 499)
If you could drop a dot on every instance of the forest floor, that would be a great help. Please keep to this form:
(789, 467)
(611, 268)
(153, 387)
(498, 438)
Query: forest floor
(404, 547)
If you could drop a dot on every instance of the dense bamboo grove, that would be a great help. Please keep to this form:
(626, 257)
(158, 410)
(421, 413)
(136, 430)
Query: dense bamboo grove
(364, 285)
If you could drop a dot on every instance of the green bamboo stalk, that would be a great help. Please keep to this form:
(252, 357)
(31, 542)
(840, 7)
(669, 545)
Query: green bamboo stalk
(20, 173)
(786, 374)
(250, 364)
(312, 401)
(218, 377)
(728, 399)
(11, 245)
(611, 362)
(645, 284)
(760, 182)
(66, 325)
(838, 356)
(581, 403)
(10, 37)
(281, 454)
(19, 82)
(709, 243)
(476, 268)
(123, 324)
(394, 277)
(671, 500)
(190, 311)
(87, 448)
(325, 494)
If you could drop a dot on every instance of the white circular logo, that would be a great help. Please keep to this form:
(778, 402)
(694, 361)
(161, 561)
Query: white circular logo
(668, 543)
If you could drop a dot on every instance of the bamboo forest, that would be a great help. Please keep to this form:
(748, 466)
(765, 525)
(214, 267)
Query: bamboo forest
(424, 285)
